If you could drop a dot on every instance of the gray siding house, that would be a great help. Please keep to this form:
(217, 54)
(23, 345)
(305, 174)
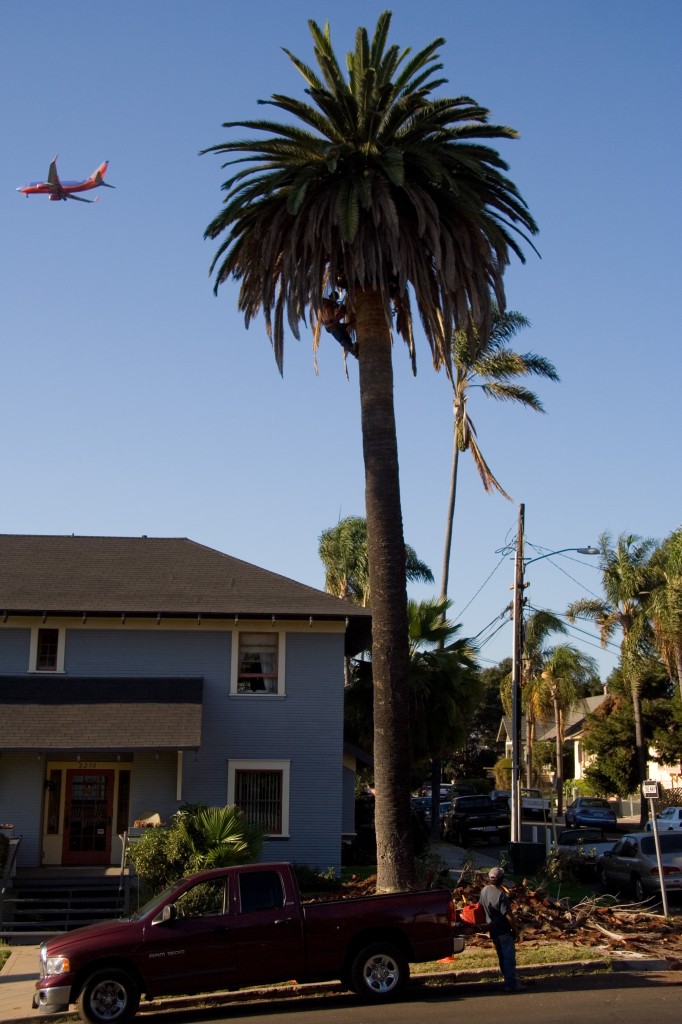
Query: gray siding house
(138, 674)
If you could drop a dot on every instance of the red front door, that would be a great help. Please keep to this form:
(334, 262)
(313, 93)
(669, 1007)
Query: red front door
(88, 816)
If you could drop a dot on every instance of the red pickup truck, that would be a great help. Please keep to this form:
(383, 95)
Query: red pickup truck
(234, 927)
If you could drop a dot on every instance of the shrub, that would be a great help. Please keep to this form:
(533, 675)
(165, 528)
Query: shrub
(198, 837)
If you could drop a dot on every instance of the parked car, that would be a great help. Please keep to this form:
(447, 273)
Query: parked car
(535, 805)
(590, 811)
(501, 798)
(473, 817)
(668, 820)
(243, 926)
(583, 847)
(631, 865)
(461, 789)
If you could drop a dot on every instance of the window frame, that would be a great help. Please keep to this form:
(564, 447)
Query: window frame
(34, 647)
(280, 691)
(258, 765)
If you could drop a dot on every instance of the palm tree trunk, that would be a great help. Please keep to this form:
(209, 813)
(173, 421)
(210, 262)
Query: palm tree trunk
(530, 743)
(386, 555)
(445, 576)
(639, 747)
(559, 730)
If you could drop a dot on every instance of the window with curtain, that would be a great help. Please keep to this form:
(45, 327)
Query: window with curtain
(258, 663)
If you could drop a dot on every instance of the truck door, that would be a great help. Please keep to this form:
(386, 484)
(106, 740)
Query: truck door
(267, 929)
(195, 951)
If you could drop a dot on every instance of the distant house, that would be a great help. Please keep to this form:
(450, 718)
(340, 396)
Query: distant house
(574, 732)
(137, 674)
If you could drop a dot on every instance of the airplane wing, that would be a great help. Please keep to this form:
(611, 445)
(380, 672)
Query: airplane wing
(80, 198)
(53, 177)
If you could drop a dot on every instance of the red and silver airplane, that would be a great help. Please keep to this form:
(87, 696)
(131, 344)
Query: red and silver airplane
(57, 189)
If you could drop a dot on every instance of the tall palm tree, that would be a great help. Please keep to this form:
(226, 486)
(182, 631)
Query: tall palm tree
(391, 193)
(665, 603)
(343, 551)
(565, 677)
(626, 582)
(492, 366)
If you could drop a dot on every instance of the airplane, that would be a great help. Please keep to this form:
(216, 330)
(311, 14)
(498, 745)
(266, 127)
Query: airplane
(57, 189)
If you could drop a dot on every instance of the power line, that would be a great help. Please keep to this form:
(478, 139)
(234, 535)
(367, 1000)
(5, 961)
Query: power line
(485, 582)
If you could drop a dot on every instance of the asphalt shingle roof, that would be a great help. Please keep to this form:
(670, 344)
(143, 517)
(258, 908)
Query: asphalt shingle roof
(150, 575)
(140, 714)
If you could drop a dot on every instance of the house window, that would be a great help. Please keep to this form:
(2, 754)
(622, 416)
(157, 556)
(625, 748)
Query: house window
(261, 790)
(259, 667)
(47, 650)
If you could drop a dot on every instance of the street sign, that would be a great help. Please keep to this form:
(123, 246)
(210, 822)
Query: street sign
(651, 790)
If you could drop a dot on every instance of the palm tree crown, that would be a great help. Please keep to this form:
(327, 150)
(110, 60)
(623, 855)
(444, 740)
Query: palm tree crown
(376, 184)
(665, 603)
(627, 580)
(343, 550)
(494, 367)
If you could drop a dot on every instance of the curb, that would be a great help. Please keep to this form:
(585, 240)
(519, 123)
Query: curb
(295, 990)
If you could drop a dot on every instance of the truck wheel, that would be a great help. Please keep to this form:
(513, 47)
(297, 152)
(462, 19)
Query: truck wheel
(108, 996)
(379, 973)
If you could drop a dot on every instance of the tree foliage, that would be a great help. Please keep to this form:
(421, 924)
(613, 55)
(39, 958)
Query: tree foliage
(198, 837)
(444, 685)
(610, 730)
(343, 551)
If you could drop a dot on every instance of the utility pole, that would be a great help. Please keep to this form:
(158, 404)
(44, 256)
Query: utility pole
(517, 651)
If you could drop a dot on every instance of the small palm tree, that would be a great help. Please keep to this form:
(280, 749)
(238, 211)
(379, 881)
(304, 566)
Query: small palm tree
(343, 550)
(492, 366)
(627, 581)
(665, 603)
(539, 626)
(392, 192)
(564, 679)
(218, 837)
(444, 684)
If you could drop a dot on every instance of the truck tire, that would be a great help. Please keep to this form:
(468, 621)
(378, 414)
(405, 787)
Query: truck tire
(379, 973)
(108, 997)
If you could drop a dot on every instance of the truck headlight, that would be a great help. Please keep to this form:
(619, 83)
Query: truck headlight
(57, 965)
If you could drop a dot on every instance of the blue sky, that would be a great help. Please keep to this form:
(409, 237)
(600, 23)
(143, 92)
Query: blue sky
(132, 401)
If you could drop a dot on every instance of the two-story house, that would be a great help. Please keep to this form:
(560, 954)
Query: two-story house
(138, 674)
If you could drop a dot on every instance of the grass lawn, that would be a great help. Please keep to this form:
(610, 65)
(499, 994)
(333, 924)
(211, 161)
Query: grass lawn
(527, 954)
(4, 953)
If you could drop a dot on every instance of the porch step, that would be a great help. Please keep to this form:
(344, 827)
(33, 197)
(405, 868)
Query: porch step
(49, 906)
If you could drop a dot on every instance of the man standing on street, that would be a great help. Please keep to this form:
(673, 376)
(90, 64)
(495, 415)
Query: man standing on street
(503, 927)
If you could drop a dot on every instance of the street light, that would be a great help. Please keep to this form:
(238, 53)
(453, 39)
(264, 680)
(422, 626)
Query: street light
(517, 650)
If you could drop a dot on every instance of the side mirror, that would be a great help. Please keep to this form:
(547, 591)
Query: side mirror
(169, 913)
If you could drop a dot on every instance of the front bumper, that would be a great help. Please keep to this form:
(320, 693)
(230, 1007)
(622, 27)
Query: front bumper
(52, 1000)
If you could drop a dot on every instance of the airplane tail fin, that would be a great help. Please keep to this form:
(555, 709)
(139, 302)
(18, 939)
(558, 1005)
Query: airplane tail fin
(98, 175)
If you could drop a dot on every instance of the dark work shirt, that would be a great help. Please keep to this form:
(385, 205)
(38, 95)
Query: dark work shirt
(496, 904)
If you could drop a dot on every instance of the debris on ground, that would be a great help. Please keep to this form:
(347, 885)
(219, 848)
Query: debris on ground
(598, 922)
(612, 926)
